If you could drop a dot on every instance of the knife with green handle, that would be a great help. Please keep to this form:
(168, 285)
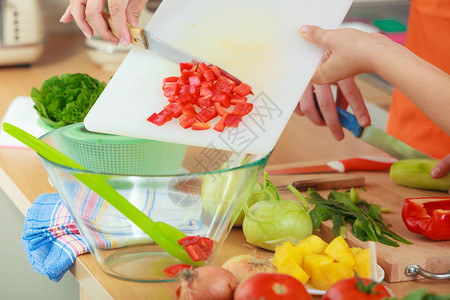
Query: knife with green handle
(163, 234)
(378, 138)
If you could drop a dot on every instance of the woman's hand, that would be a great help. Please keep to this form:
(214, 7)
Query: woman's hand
(88, 17)
(442, 168)
(337, 66)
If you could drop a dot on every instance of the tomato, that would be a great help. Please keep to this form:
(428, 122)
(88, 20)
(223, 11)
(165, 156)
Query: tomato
(271, 286)
(356, 288)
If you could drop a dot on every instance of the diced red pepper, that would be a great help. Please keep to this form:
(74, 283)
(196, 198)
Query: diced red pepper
(207, 87)
(224, 100)
(175, 108)
(207, 114)
(232, 120)
(161, 118)
(209, 75)
(242, 108)
(220, 125)
(189, 110)
(242, 89)
(170, 79)
(429, 216)
(205, 102)
(194, 79)
(188, 90)
(200, 126)
(170, 88)
(220, 110)
(206, 92)
(186, 66)
(201, 68)
(172, 271)
(216, 70)
(189, 240)
(199, 248)
(184, 99)
(187, 121)
(224, 84)
(237, 98)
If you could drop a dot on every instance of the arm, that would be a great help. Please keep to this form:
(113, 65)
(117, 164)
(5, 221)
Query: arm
(122, 13)
(350, 52)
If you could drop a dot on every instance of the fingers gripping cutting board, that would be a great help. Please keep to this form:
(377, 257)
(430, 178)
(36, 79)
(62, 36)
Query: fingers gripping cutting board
(258, 41)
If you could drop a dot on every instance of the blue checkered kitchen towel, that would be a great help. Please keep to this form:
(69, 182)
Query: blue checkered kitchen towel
(50, 237)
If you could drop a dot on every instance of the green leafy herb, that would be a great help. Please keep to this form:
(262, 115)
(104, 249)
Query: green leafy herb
(347, 207)
(66, 99)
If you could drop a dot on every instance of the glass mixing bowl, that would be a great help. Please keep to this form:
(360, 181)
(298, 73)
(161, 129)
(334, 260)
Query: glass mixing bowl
(199, 191)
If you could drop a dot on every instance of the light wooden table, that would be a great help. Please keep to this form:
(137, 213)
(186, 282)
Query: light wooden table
(23, 178)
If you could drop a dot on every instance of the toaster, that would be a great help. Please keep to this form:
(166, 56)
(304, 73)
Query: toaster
(21, 32)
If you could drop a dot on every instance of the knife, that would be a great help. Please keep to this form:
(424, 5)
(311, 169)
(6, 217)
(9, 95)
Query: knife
(378, 138)
(362, 163)
(145, 40)
(327, 183)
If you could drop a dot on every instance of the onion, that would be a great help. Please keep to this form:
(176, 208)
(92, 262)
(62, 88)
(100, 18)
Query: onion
(206, 283)
(246, 265)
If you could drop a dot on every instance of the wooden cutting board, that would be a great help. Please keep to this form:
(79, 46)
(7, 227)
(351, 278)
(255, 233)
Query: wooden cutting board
(433, 256)
(258, 41)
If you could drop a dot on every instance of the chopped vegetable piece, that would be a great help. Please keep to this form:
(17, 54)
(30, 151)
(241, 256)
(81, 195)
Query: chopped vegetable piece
(225, 84)
(232, 120)
(202, 93)
(186, 66)
(242, 89)
(172, 271)
(429, 216)
(242, 108)
(200, 126)
(199, 248)
(187, 121)
(207, 114)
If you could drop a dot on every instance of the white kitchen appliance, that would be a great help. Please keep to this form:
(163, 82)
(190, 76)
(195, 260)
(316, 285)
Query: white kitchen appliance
(21, 32)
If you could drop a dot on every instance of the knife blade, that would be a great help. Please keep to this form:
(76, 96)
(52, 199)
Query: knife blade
(327, 183)
(146, 40)
(362, 163)
(378, 138)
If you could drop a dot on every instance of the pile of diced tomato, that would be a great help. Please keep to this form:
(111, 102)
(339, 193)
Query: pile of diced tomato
(199, 95)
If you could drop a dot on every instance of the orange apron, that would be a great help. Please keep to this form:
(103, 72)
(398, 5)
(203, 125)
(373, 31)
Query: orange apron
(428, 36)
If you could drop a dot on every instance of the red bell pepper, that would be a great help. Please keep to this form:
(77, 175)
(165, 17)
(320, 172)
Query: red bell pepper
(199, 248)
(429, 216)
(199, 95)
(172, 271)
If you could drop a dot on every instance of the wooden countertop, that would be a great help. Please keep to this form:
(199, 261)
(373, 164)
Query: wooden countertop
(23, 178)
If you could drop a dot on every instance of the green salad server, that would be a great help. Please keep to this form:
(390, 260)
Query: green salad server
(165, 235)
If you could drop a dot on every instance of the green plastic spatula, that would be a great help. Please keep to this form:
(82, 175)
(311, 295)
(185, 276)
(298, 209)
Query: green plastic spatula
(163, 234)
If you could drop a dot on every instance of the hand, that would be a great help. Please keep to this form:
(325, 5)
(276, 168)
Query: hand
(317, 103)
(442, 168)
(347, 52)
(83, 11)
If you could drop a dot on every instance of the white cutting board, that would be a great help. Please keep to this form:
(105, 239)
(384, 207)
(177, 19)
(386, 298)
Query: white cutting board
(258, 41)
